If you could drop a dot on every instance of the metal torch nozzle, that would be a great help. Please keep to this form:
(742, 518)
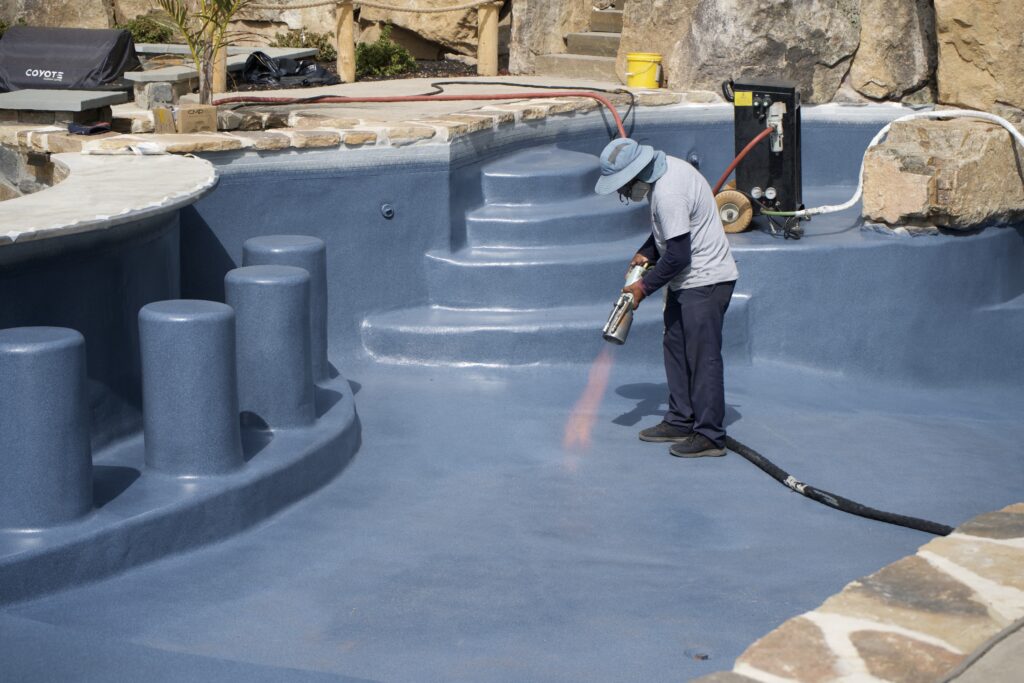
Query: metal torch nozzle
(621, 319)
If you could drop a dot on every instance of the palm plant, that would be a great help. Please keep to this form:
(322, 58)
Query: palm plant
(204, 26)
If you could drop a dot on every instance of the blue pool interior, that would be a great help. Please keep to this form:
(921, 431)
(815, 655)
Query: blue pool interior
(430, 525)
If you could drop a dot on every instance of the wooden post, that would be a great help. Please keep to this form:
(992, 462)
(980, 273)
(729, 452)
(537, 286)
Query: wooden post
(220, 70)
(346, 41)
(487, 39)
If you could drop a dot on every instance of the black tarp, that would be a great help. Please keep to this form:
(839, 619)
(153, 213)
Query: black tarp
(262, 69)
(64, 58)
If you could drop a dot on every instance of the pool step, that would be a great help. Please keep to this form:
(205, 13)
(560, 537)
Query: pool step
(434, 335)
(573, 222)
(540, 175)
(464, 336)
(528, 277)
(545, 259)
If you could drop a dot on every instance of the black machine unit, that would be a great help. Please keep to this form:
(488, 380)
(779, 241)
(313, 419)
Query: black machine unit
(768, 174)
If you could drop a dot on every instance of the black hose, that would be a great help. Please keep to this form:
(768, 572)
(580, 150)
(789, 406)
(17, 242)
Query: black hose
(831, 499)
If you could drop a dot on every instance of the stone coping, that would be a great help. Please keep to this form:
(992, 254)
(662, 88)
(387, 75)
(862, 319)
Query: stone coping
(60, 100)
(307, 127)
(917, 619)
(99, 192)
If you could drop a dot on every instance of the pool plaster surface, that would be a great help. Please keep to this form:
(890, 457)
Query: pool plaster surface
(463, 542)
(508, 557)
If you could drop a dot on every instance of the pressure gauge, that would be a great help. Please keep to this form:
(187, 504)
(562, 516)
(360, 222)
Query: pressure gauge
(770, 194)
(756, 193)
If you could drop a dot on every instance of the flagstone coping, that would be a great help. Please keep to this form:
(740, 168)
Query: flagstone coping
(916, 620)
(309, 128)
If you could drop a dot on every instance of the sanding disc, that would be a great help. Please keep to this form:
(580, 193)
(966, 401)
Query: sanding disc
(735, 210)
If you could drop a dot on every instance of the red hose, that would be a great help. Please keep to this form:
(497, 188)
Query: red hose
(339, 99)
(739, 157)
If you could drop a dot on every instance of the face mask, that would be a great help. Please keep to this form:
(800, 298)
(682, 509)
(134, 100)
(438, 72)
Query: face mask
(639, 190)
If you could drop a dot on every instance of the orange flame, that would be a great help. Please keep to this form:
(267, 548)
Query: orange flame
(584, 414)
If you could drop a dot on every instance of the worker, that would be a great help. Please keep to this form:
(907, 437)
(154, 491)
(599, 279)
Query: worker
(691, 256)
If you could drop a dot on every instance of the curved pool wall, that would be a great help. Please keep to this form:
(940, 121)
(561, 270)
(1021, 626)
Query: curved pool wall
(100, 476)
(96, 282)
(931, 310)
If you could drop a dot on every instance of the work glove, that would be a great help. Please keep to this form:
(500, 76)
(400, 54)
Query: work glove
(638, 260)
(637, 290)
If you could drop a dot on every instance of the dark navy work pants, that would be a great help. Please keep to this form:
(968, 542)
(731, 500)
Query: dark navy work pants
(693, 359)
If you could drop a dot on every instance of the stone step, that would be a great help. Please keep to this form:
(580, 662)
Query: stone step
(540, 175)
(595, 44)
(431, 335)
(606, 20)
(578, 221)
(577, 66)
(529, 277)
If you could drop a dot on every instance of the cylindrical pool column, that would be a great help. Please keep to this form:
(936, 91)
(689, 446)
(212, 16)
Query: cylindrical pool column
(45, 456)
(305, 252)
(275, 372)
(190, 388)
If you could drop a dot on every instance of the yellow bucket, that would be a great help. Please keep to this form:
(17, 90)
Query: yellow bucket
(643, 69)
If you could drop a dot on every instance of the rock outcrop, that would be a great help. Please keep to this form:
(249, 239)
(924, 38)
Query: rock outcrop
(539, 27)
(958, 174)
(456, 31)
(66, 13)
(705, 42)
(897, 48)
(981, 54)
(662, 27)
(263, 25)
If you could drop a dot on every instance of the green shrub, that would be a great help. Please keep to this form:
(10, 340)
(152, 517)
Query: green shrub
(383, 57)
(148, 30)
(323, 42)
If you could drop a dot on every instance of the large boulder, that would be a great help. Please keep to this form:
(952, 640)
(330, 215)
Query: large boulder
(664, 27)
(62, 13)
(704, 42)
(456, 31)
(897, 48)
(958, 174)
(981, 54)
(253, 26)
(539, 27)
(261, 26)
(126, 10)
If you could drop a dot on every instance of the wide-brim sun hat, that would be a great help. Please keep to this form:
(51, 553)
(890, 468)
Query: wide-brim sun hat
(622, 160)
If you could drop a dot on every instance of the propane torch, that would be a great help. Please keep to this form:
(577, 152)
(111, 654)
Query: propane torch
(621, 319)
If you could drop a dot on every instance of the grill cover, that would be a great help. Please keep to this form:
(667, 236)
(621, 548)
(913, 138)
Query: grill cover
(64, 58)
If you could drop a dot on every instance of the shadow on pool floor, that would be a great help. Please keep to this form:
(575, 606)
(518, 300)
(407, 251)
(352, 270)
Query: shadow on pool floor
(463, 543)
